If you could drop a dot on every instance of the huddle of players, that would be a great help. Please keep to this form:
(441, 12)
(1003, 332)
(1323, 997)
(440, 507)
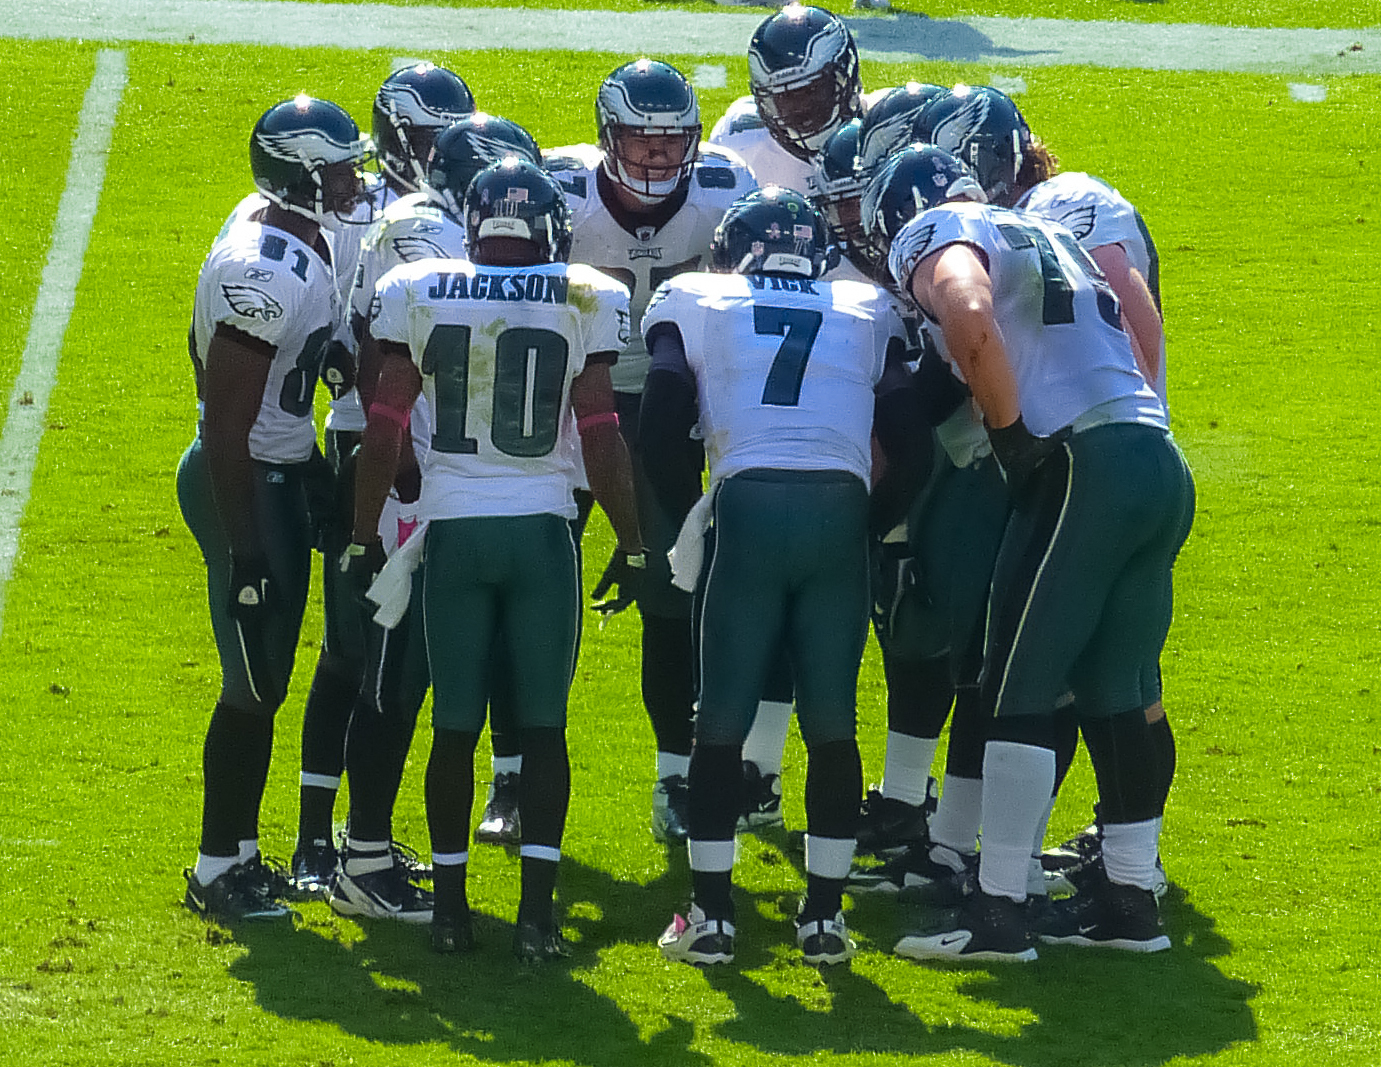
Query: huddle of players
(791, 364)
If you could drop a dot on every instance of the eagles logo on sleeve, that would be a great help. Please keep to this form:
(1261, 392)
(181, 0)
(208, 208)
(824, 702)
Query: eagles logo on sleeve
(252, 303)
(1079, 220)
(918, 247)
(411, 248)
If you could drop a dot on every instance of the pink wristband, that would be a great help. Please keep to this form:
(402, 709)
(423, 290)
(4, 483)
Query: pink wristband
(602, 418)
(392, 414)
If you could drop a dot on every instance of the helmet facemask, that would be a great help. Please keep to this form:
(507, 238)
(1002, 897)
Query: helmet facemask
(650, 163)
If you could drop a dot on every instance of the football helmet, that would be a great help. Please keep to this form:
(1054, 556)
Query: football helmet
(983, 127)
(465, 148)
(887, 125)
(306, 155)
(915, 179)
(516, 198)
(411, 108)
(649, 129)
(773, 231)
(835, 187)
(803, 70)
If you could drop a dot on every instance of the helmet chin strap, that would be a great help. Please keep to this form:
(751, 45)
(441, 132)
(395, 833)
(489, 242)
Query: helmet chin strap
(621, 178)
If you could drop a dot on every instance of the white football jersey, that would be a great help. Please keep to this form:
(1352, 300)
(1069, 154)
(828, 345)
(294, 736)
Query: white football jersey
(785, 367)
(741, 131)
(1060, 322)
(1098, 215)
(269, 284)
(498, 348)
(644, 256)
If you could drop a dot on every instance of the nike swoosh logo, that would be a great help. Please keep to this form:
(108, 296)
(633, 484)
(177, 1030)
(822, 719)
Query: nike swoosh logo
(953, 939)
(1087, 929)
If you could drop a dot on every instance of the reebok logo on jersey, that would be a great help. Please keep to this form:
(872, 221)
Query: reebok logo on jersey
(257, 274)
(412, 248)
(252, 303)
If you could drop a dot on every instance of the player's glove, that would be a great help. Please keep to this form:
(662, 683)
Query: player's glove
(361, 564)
(252, 599)
(1021, 454)
(337, 369)
(626, 571)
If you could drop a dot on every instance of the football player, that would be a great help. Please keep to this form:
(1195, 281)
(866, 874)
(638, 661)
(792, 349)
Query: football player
(644, 204)
(505, 348)
(780, 368)
(370, 880)
(1101, 502)
(266, 306)
(412, 106)
(985, 125)
(804, 77)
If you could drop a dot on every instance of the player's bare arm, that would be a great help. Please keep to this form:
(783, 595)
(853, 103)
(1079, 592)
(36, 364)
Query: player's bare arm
(399, 384)
(954, 287)
(1139, 312)
(237, 368)
(607, 465)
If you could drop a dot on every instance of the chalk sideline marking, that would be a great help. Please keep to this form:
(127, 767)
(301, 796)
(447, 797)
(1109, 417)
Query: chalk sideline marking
(28, 410)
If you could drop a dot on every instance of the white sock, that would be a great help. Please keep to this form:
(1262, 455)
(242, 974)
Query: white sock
(960, 814)
(366, 857)
(1017, 782)
(829, 857)
(767, 738)
(711, 855)
(209, 868)
(907, 769)
(506, 764)
(1129, 852)
(670, 763)
(249, 848)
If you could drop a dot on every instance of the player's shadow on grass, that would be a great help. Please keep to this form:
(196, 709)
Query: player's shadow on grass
(617, 1003)
(391, 989)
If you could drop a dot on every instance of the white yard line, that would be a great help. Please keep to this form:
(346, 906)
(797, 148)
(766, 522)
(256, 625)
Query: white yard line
(899, 38)
(28, 411)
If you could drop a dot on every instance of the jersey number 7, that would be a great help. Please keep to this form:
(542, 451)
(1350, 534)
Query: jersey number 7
(797, 329)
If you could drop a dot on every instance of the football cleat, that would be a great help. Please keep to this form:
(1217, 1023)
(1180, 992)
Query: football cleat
(697, 939)
(312, 867)
(825, 942)
(888, 825)
(536, 943)
(1077, 864)
(762, 798)
(452, 934)
(987, 928)
(1107, 915)
(237, 895)
(501, 824)
(385, 894)
(925, 873)
(408, 858)
(671, 809)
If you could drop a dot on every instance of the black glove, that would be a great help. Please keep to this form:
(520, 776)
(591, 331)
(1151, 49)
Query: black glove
(1021, 455)
(626, 570)
(337, 369)
(253, 597)
(362, 564)
(894, 578)
(319, 484)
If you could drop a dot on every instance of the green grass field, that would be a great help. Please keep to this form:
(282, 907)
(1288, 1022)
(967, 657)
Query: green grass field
(1268, 215)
